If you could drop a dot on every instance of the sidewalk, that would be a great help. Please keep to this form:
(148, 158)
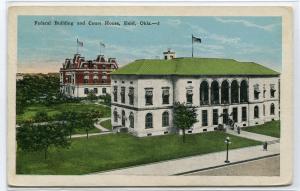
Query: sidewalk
(98, 126)
(253, 136)
(104, 131)
(194, 163)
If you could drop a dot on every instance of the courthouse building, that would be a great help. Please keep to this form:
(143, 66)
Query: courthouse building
(79, 77)
(143, 93)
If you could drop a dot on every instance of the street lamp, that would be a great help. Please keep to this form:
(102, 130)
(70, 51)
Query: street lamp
(227, 141)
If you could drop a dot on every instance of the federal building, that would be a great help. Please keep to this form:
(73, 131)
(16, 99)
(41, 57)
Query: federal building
(144, 91)
(79, 77)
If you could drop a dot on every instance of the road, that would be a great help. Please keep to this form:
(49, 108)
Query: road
(263, 167)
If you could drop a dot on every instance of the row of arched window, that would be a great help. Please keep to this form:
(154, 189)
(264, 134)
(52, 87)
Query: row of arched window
(238, 92)
(123, 118)
(149, 120)
(256, 110)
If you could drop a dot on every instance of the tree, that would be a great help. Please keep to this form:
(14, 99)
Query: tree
(36, 137)
(41, 116)
(88, 119)
(184, 117)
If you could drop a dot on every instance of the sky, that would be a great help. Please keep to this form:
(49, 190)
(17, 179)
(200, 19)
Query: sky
(43, 48)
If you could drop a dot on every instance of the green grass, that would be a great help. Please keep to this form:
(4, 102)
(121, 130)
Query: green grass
(113, 151)
(106, 124)
(30, 111)
(271, 128)
(194, 66)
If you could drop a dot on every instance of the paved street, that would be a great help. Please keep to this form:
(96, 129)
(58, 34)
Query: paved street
(269, 166)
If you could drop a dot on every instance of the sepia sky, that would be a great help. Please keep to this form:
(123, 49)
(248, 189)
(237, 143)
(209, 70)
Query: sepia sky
(43, 48)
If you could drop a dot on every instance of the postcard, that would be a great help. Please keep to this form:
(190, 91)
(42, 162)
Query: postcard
(150, 96)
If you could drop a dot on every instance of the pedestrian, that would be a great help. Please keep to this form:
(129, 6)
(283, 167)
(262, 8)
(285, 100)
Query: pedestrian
(265, 146)
(238, 130)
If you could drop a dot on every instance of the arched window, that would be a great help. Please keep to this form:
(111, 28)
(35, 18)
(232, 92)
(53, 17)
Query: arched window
(131, 120)
(272, 109)
(214, 92)
(165, 119)
(204, 93)
(149, 121)
(123, 118)
(244, 92)
(225, 92)
(115, 115)
(234, 92)
(256, 112)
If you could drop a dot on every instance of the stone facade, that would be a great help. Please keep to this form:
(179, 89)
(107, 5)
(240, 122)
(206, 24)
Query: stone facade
(248, 100)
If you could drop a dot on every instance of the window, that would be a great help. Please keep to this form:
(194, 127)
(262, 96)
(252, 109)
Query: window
(235, 114)
(215, 117)
(264, 91)
(131, 95)
(148, 121)
(272, 109)
(115, 115)
(165, 96)
(189, 82)
(256, 91)
(225, 116)
(86, 90)
(95, 78)
(272, 90)
(115, 93)
(95, 90)
(123, 118)
(256, 112)
(244, 113)
(204, 117)
(131, 120)
(104, 90)
(149, 96)
(86, 79)
(122, 94)
(189, 96)
(165, 119)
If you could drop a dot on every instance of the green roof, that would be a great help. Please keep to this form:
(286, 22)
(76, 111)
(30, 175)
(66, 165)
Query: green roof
(194, 66)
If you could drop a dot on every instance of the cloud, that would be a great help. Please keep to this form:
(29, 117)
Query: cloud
(248, 23)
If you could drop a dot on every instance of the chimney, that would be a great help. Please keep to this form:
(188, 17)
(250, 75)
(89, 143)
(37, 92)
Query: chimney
(169, 55)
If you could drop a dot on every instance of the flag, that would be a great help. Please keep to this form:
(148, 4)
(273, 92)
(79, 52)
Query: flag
(79, 43)
(102, 44)
(195, 39)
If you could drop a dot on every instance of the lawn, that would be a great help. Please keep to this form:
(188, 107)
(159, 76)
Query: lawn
(271, 128)
(58, 108)
(106, 152)
(106, 124)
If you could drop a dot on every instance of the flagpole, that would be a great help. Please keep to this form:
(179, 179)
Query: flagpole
(77, 46)
(192, 46)
(100, 48)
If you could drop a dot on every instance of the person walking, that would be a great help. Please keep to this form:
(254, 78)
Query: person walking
(238, 130)
(265, 146)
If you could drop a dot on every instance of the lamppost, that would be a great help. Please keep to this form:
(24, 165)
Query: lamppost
(227, 141)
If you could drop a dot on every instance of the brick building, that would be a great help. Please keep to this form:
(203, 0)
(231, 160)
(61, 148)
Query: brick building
(79, 77)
